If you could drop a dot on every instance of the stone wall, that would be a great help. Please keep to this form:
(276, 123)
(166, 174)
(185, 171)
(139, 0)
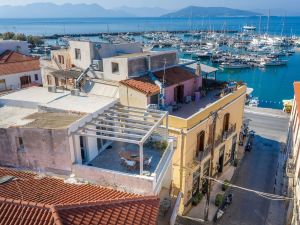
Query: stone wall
(44, 149)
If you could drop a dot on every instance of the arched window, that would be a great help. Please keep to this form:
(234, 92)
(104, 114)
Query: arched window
(200, 142)
(226, 122)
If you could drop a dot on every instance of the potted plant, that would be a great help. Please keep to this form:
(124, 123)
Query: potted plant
(225, 185)
(197, 198)
(219, 199)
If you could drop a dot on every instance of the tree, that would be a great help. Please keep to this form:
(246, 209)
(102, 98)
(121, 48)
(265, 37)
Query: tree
(20, 37)
(35, 40)
(8, 35)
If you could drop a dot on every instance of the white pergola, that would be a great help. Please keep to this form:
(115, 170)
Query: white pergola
(125, 124)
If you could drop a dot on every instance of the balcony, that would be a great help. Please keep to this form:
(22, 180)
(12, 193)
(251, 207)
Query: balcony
(230, 131)
(219, 140)
(290, 167)
(203, 154)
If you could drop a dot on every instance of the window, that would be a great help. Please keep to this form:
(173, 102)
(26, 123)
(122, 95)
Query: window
(61, 59)
(226, 122)
(115, 67)
(200, 142)
(77, 53)
(20, 143)
(36, 77)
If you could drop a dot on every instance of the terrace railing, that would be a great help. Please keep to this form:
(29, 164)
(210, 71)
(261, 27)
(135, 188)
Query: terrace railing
(203, 154)
(230, 131)
(163, 162)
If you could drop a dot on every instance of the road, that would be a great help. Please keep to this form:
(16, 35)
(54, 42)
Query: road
(257, 171)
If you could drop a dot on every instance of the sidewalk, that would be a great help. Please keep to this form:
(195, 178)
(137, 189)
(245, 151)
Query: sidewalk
(198, 211)
(277, 209)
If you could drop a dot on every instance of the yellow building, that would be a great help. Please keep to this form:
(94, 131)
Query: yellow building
(204, 114)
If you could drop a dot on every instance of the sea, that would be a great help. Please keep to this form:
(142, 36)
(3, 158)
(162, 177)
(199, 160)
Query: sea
(271, 85)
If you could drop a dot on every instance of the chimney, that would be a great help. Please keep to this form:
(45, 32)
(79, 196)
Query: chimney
(198, 69)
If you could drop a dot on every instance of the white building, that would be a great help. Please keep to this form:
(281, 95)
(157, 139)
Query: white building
(293, 159)
(14, 45)
(18, 70)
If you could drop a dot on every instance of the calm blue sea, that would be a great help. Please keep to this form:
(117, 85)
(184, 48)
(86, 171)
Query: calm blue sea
(271, 85)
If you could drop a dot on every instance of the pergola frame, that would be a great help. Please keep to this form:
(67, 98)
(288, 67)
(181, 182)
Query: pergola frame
(126, 124)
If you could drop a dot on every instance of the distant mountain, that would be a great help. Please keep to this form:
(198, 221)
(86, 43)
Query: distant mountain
(50, 10)
(278, 12)
(143, 11)
(195, 11)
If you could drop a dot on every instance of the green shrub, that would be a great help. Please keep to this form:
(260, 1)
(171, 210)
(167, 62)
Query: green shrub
(235, 162)
(225, 185)
(219, 199)
(197, 198)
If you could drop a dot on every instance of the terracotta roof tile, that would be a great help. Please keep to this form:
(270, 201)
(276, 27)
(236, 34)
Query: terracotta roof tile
(32, 199)
(13, 62)
(143, 84)
(173, 76)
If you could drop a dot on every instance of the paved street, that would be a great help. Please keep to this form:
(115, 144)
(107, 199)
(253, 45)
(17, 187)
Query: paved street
(257, 171)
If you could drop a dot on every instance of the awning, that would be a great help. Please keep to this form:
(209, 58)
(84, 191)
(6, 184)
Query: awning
(124, 124)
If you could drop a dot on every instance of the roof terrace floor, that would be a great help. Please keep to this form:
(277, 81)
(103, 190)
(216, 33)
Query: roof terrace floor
(110, 158)
(189, 109)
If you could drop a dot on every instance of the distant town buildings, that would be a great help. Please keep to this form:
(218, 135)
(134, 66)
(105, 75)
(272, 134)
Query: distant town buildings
(17, 68)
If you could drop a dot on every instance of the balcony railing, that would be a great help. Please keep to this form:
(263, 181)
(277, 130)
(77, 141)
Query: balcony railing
(203, 154)
(230, 131)
(290, 167)
(219, 140)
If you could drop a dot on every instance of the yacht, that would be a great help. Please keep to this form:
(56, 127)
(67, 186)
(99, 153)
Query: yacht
(234, 65)
(254, 102)
(249, 28)
(273, 62)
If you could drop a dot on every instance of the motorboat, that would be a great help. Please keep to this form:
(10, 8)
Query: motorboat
(249, 28)
(273, 62)
(234, 65)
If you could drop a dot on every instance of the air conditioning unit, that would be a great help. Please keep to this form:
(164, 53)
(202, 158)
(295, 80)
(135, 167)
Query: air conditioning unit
(75, 92)
(52, 88)
(98, 65)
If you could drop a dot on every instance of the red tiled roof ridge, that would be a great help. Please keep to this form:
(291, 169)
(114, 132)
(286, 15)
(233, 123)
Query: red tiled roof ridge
(25, 203)
(104, 202)
(8, 53)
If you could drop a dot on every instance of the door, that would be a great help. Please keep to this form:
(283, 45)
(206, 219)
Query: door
(200, 143)
(2, 85)
(179, 94)
(233, 147)
(25, 81)
(84, 156)
(205, 173)
(196, 182)
(221, 160)
(56, 82)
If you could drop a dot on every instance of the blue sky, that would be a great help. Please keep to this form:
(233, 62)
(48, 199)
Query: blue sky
(176, 4)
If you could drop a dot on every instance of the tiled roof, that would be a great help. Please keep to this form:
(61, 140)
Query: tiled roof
(297, 96)
(143, 84)
(33, 199)
(173, 76)
(13, 62)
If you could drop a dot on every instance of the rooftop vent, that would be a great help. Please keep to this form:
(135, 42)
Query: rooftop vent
(52, 88)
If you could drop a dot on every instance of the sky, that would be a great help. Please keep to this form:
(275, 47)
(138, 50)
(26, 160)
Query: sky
(176, 4)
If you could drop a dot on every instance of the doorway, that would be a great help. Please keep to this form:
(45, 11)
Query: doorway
(221, 160)
(25, 81)
(84, 154)
(2, 85)
(179, 94)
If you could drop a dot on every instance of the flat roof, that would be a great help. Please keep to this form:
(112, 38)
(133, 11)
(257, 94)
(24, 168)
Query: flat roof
(49, 120)
(204, 68)
(14, 116)
(82, 103)
(31, 97)
(139, 54)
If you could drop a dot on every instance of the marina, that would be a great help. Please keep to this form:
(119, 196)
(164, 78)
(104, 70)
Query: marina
(244, 49)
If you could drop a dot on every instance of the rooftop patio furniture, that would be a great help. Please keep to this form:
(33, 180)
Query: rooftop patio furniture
(187, 99)
(130, 165)
(132, 156)
(147, 163)
(164, 206)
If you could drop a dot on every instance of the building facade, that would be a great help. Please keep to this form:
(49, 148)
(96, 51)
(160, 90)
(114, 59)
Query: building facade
(293, 159)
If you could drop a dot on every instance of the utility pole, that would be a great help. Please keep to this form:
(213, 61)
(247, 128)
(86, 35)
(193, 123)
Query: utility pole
(215, 116)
